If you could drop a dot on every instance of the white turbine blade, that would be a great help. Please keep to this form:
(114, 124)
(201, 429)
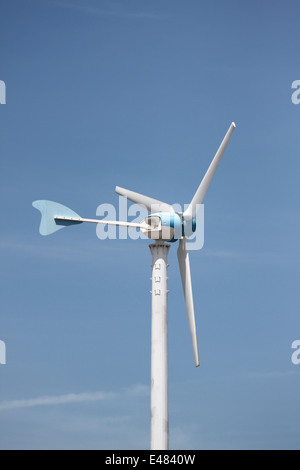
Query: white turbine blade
(191, 211)
(79, 220)
(152, 205)
(185, 271)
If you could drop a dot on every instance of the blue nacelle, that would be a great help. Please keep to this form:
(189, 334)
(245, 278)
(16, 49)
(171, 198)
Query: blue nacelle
(168, 226)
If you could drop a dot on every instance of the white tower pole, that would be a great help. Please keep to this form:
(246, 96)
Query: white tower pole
(159, 439)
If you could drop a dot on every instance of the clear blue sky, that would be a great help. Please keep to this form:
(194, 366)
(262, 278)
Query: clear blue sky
(140, 94)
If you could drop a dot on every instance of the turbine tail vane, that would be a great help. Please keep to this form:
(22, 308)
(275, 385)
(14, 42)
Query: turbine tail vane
(55, 216)
(49, 210)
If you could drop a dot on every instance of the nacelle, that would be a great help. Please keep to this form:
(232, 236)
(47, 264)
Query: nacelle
(168, 226)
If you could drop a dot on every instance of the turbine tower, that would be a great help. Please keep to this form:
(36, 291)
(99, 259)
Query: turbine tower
(162, 225)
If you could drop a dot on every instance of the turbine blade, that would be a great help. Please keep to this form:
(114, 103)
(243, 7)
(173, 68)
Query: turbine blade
(185, 271)
(152, 205)
(191, 211)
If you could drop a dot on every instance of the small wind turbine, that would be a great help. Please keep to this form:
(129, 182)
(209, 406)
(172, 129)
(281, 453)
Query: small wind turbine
(162, 225)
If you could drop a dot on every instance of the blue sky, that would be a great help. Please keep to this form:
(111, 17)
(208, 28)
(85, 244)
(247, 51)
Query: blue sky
(140, 94)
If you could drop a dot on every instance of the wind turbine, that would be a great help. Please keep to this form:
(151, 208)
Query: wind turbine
(162, 225)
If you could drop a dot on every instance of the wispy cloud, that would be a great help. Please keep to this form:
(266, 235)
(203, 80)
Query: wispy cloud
(27, 248)
(135, 390)
(114, 11)
(55, 400)
(89, 251)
